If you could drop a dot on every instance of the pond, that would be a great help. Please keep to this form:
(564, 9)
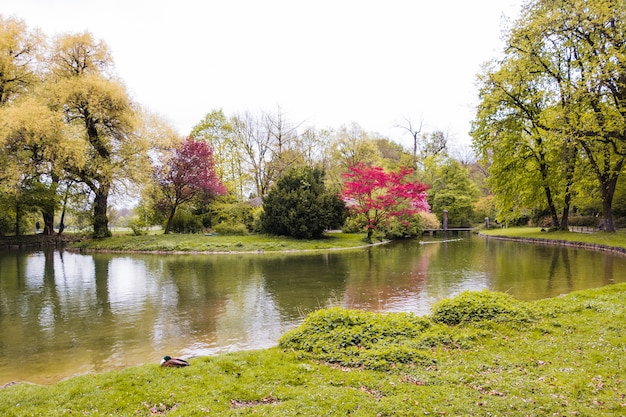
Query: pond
(65, 313)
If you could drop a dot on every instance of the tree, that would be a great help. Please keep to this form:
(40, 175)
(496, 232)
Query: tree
(189, 173)
(98, 109)
(559, 89)
(453, 191)
(217, 130)
(299, 205)
(18, 50)
(380, 196)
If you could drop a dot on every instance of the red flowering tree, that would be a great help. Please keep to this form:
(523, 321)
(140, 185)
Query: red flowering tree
(189, 172)
(381, 196)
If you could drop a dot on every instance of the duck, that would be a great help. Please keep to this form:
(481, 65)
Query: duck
(173, 362)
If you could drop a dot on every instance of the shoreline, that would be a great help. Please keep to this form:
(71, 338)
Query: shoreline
(195, 252)
(559, 242)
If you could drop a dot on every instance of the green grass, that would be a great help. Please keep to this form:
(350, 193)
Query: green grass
(567, 360)
(219, 243)
(617, 239)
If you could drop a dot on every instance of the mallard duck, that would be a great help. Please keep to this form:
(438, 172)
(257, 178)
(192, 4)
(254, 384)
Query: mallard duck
(173, 362)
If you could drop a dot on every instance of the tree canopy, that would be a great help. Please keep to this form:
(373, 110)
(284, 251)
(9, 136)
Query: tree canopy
(552, 109)
(381, 196)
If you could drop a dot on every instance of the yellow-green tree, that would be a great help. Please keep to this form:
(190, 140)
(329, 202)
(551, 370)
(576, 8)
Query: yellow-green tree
(97, 106)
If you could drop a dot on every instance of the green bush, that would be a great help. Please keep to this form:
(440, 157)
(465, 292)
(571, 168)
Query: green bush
(354, 224)
(473, 306)
(186, 222)
(397, 228)
(138, 227)
(231, 229)
(359, 338)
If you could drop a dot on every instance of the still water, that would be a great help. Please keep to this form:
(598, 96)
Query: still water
(64, 313)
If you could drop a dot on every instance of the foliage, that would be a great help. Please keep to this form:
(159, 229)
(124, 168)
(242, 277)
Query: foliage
(226, 210)
(402, 227)
(551, 109)
(473, 306)
(184, 221)
(357, 338)
(299, 205)
(429, 220)
(188, 174)
(380, 196)
(453, 191)
(233, 229)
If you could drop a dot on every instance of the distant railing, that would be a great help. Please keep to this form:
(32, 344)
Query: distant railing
(454, 231)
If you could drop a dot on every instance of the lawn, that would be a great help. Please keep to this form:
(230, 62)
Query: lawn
(219, 244)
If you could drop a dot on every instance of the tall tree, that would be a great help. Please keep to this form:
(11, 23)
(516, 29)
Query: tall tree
(380, 196)
(99, 108)
(571, 56)
(189, 173)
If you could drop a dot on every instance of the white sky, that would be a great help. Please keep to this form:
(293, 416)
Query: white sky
(324, 63)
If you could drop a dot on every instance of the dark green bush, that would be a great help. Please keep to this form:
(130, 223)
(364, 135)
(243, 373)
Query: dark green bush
(186, 222)
(473, 306)
(299, 205)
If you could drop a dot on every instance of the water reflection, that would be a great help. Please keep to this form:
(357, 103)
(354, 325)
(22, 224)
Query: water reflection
(66, 313)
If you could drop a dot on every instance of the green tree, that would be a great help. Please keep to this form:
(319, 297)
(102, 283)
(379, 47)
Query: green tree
(453, 191)
(217, 130)
(563, 71)
(299, 205)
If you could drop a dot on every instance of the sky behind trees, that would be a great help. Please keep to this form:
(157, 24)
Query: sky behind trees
(323, 63)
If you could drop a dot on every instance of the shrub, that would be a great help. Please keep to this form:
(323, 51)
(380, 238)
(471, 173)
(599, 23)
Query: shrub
(138, 227)
(473, 306)
(299, 205)
(429, 220)
(185, 222)
(233, 229)
(397, 228)
(359, 338)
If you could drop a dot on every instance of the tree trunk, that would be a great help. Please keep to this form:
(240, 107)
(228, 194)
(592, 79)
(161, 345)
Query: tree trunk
(569, 180)
(100, 218)
(608, 191)
(48, 221)
(170, 218)
(553, 214)
(18, 219)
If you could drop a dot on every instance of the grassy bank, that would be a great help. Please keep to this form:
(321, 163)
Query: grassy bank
(617, 239)
(562, 356)
(218, 243)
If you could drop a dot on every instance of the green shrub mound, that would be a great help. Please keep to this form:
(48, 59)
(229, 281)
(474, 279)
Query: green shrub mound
(375, 341)
(379, 341)
(476, 306)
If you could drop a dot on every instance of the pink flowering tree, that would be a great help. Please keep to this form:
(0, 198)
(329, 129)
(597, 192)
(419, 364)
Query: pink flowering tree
(187, 174)
(381, 196)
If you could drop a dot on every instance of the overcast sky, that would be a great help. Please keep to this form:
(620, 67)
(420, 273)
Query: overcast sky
(324, 63)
